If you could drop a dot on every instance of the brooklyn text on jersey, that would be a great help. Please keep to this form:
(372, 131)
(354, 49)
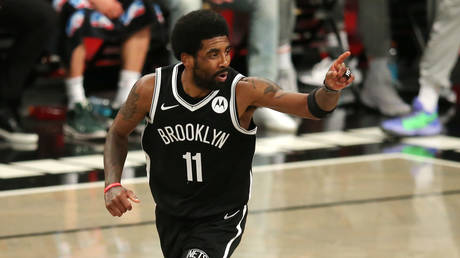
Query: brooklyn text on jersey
(193, 133)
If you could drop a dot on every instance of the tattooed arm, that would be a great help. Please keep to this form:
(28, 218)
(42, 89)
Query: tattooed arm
(130, 115)
(256, 92)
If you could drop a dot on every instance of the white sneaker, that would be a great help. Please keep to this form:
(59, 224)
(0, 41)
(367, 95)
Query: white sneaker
(316, 75)
(378, 91)
(11, 129)
(274, 120)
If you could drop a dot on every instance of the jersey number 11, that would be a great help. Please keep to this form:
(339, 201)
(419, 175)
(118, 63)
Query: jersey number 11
(188, 159)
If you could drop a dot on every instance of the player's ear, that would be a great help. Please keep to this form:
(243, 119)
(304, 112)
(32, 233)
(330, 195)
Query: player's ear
(187, 60)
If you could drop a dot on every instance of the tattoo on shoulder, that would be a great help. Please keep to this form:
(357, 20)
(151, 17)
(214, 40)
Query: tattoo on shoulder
(271, 87)
(129, 108)
(251, 81)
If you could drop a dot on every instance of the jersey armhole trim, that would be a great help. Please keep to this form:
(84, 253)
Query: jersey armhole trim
(156, 94)
(234, 109)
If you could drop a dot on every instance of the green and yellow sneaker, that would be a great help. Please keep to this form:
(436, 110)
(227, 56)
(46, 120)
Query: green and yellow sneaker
(418, 123)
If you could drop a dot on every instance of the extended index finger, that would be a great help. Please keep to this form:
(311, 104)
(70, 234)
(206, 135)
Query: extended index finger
(341, 58)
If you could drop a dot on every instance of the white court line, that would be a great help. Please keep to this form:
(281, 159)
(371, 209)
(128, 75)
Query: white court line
(324, 162)
(288, 144)
(264, 146)
(373, 132)
(51, 166)
(435, 161)
(97, 161)
(256, 169)
(49, 189)
(137, 155)
(440, 142)
(12, 171)
(341, 138)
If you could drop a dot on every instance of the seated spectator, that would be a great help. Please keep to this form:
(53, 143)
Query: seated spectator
(127, 21)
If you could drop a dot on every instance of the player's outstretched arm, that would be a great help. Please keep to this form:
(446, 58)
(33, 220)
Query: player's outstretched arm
(258, 92)
(130, 115)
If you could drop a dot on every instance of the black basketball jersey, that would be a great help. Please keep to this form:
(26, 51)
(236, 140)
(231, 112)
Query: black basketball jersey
(198, 156)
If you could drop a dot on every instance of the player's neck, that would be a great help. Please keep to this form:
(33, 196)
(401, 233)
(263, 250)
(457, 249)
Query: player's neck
(190, 87)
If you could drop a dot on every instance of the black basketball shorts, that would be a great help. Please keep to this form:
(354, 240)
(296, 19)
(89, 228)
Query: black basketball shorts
(214, 237)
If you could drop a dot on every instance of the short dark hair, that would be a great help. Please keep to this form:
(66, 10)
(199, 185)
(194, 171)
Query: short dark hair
(194, 27)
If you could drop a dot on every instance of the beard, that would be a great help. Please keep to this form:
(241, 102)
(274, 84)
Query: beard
(208, 83)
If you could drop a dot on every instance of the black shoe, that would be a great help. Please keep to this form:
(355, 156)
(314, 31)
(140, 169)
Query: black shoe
(11, 129)
(82, 124)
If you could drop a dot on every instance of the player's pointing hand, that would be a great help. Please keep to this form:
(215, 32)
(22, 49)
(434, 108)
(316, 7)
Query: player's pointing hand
(339, 75)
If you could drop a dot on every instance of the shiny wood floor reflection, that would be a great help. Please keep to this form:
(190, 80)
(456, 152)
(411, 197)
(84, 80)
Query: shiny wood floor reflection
(389, 205)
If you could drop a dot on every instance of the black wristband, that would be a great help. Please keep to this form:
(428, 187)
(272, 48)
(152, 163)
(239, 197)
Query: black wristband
(313, 107)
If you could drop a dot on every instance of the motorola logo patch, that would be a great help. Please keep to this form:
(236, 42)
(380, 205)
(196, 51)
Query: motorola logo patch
(219, 104)
(196, 253)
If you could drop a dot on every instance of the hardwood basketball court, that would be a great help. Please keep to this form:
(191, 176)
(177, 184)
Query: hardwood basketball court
(383, 205)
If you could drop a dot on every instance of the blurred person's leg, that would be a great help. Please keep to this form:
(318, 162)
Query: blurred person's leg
(336, 44)
(134, 51)
(440, 55)
(262, 36)
(132, 28)
(263, 42)
(176, 9)
(378, 90)
(73, 24)
(80, 122)
(270, 32)
(136, 42)
(287, 76)
(436, 65)
(74, 82)
(374, 23)
(335, 47)
(31, 22)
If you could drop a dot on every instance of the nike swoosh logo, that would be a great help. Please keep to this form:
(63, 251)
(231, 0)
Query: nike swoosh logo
(230, 216)
(163, 107)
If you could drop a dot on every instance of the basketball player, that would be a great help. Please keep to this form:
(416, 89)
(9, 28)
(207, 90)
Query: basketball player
(200, 138)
